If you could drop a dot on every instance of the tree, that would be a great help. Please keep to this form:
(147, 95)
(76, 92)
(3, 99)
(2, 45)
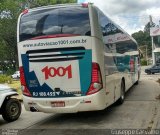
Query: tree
(35, 3)
(148, 26)
(143, 38)
(9, 12)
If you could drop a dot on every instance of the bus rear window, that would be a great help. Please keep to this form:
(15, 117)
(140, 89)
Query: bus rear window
(66, 20)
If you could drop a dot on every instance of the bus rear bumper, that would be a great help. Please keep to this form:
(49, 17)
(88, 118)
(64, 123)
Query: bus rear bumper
(72, 104)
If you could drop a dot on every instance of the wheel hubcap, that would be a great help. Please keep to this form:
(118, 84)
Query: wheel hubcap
(14, 109)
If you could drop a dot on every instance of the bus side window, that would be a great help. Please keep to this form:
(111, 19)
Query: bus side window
(104, 23)
(106, 26)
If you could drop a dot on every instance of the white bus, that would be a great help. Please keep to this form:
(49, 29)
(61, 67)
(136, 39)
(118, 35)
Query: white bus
(73, 58)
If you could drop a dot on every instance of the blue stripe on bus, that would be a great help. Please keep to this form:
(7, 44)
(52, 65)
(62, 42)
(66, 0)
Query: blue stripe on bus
(85, 69)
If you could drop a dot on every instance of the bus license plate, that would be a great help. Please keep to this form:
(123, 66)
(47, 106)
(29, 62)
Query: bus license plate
(58, 104)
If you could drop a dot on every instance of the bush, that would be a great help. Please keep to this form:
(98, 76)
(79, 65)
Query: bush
(9, 71)
(143, 62)
(5, 79)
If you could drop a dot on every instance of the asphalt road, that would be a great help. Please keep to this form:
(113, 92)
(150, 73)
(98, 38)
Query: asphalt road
(141, 110)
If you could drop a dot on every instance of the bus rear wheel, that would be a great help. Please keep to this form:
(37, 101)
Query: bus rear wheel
(122, 94)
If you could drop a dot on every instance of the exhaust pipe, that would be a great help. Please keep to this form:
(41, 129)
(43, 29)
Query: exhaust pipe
(34, 109)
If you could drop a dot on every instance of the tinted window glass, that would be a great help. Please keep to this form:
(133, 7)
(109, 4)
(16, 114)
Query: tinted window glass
(126, 46)
(107, 26)
(67, 20)
(156, 40)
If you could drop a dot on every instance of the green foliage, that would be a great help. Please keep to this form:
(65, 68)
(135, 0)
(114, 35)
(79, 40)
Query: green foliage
(5, 79)
(147, 27)
(143, 62)
(9, 12)
(35, 3)
(10, 71)
(3, 51)
(143, 38)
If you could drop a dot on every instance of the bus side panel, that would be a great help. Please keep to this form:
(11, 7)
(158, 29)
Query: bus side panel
(98, 51)
(120, 52)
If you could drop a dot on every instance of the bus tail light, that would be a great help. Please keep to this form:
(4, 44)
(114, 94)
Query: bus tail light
(85, 5)
(23, 83)
(96, 83)
(25, 11)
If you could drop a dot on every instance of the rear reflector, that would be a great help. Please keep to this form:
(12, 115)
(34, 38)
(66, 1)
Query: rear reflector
(26, 91)
(96, 83)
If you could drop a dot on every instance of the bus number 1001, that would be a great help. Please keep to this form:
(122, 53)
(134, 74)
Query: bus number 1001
(60, 71)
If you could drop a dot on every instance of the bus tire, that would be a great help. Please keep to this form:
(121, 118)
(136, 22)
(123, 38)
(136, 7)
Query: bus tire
(122, 95)
(11, 110)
